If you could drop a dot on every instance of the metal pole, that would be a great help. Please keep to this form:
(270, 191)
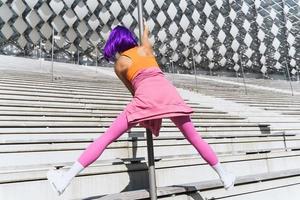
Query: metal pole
(140, 16)
(40, 55)
(151, 163)
(195, 70)
(52, 54)
(78, 56)
(243, 73)
(237, 77)
(172, 70)
(286, 45)
(284, 141)
(96, 58)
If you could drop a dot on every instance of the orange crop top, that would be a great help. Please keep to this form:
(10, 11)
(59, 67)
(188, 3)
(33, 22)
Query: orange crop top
(138, 62)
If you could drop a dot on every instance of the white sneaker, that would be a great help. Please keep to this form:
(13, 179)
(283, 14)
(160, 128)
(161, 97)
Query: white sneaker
(55, 177)
(228, 181)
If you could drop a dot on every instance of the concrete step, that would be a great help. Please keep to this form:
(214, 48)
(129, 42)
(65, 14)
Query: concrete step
(111, 114)
(100, 129)
(101, 91)
(162, 146)
(292, 113)
(99, 119)
(124, 176)
(10, 172)
(94, 86)
(133, 136)
(103, 109)
(49, 151)
(78, 95)
(283, 109)
(56, 99)
(266, 102)
(245, 186)
(79, 104)
(30, 123)
(44, 77)
(76, 111)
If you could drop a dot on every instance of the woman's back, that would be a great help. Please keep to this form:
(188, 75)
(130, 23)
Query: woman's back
(139, 58)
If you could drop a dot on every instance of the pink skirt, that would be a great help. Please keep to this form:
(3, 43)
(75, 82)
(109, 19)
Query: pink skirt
(154, 98)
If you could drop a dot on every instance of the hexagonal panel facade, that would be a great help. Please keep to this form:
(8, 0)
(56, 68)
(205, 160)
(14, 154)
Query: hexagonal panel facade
(260, 35)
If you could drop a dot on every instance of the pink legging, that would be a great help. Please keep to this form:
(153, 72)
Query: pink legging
(120, 126)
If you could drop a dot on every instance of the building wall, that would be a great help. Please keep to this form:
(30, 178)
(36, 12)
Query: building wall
(262, 35)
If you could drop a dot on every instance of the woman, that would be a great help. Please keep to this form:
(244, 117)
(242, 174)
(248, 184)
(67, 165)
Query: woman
(154, 98)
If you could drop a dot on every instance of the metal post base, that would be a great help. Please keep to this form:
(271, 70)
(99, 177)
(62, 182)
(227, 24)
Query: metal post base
(151, 165)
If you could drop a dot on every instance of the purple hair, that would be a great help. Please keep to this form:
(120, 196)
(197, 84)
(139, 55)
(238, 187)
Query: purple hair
(120, 40)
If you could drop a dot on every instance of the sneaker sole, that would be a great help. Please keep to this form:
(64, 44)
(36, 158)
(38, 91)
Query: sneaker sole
(53, 185)
(232, 185)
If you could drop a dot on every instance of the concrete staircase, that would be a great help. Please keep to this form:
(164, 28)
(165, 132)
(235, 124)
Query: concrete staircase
(46, 124)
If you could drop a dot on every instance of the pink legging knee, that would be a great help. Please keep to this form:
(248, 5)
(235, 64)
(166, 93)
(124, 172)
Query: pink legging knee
(95, 149)
(120, 126)
(190, 133)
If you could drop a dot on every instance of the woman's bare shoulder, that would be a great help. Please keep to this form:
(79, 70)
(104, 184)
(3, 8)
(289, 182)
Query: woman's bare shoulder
(122, 64)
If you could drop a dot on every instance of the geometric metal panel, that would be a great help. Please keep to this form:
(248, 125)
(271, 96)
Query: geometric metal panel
(20, 25)
(72, 49)
(184, 22)
(162, 18)
(45, 12)
(61, 41)
(196, 16)
(83, 44)
(18, 6)
(71, 35)
(31, 3)
(22, 41)
(82, 28)
(263, 33)
(69, 3)
(57, 6)
(115, 8)
(185, 38)
(46, 30)
(32, 18)
(81, 10)
(94, 38)
(34, 36)
(105, 32)
(149, 6)
(127, 20)
(5, 13)
(48, 45)
(172, 11)
(126, 4)
(70, 17)
(7, 31)
(173, 29)
(92, 4)
(104, 15)
(58, 24)
(93, 22)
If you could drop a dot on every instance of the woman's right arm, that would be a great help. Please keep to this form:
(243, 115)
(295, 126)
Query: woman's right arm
(145, 38)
